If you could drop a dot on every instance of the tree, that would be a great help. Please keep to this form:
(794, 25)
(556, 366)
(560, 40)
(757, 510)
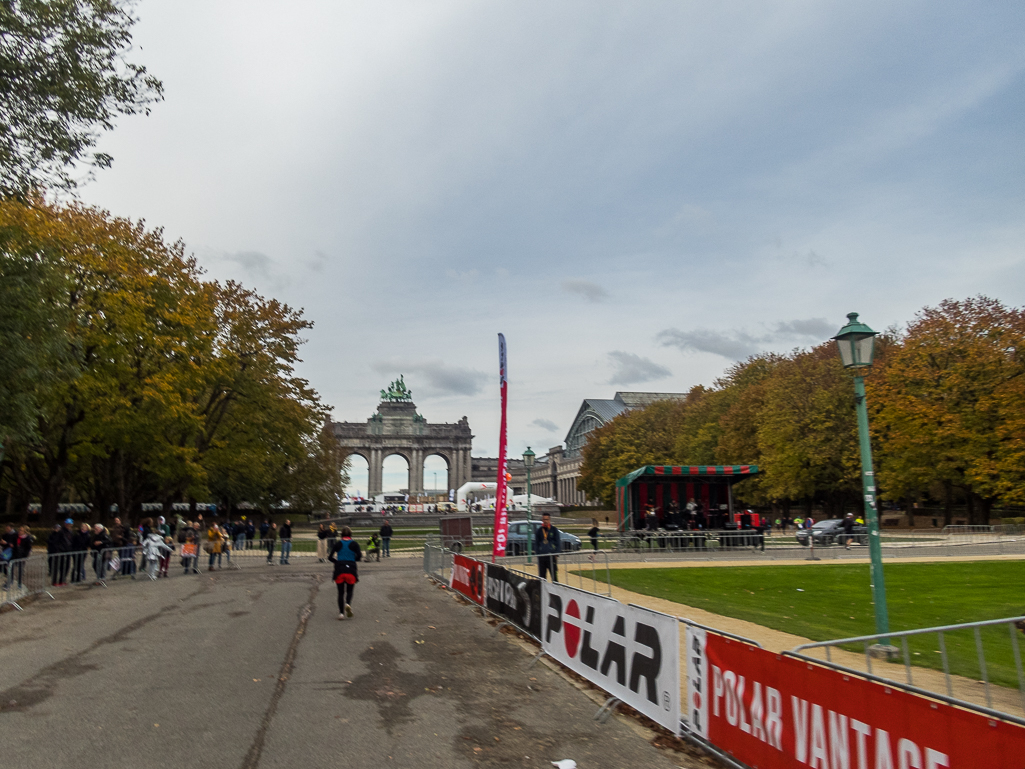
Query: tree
(807, 431)
(641, 437)
(947, 405)
(63, 78)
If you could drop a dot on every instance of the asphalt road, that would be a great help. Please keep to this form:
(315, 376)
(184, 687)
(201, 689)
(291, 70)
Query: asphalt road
(253, 669)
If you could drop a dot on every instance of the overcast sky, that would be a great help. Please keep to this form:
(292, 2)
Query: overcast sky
(635, 193)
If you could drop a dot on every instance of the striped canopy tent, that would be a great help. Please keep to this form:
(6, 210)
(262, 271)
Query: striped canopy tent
(658, 485)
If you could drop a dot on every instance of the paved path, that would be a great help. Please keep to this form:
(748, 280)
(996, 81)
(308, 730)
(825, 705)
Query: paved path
(253, 669)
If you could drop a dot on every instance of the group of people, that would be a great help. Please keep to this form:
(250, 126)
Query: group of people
(379, 543)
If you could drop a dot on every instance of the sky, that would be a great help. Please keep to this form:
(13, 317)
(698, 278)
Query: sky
(637, 194)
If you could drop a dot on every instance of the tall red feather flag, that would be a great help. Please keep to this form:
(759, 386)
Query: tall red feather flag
(501, 518)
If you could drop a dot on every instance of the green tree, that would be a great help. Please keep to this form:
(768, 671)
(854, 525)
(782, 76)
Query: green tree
(807, 431)
(947, 405)
(63, 79)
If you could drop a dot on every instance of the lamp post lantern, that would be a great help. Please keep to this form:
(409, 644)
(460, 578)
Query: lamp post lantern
(528, 462)
(857, 346)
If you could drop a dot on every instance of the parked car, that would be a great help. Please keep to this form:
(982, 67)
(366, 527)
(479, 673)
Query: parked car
(517, 544)
(830, 531)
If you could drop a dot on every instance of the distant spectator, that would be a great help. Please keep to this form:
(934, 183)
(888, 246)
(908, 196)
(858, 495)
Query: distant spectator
(214, 545)
(270, 538)
(286, 542)
(250, 534)
(20, 550)
(547, 544)
(374, 545)
(81, 541)
(101, 544)
(386, 534)
(322, 534)
(58, 545)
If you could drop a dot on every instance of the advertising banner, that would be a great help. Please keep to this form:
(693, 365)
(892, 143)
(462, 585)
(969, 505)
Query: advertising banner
(501, 530)
(768, 710)
(516, 597)
(630, 652)
(467, 577)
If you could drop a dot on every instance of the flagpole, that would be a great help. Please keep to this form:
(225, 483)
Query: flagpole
(501, 526)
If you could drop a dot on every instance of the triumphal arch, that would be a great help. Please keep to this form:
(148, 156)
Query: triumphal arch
(397, 428)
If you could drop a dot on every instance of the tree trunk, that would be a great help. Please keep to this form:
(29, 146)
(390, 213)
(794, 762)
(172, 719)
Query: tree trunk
(948, 503)
(910, 506)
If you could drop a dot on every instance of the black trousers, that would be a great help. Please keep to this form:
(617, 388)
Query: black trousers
(345, 592)
(548, 563)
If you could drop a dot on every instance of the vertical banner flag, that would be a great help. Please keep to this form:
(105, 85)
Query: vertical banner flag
(501, 518)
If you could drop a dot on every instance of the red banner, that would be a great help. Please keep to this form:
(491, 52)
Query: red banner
(501, 535)
(468, 577)
(768, 710)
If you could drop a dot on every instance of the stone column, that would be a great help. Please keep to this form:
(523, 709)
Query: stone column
(416, 471)
(376, 475)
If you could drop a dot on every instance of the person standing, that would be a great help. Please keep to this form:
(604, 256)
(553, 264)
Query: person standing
(240, 534)
(57, 547)
(344, 556)
(286, 542)
(270, 538)
(22, 549)
(386, 532)
(593, 533)
(547, 544)
(100, 544)
(81, 541)
(214, 545)
(322, 535)
(250, 534)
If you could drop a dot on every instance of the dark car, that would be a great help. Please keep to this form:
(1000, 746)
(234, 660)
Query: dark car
(830, 531)
(517, 544)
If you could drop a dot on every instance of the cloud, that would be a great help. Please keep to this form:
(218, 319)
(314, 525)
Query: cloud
(736, 344)
(254, 263)
(545, 424)
(592, 292)
(633, 369)
(439, 378)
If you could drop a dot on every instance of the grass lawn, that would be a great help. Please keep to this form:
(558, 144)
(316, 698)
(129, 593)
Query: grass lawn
(828, 601)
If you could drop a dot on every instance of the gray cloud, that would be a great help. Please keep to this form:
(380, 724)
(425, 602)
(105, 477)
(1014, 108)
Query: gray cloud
(813, 328)
(545, 424)
(592, 292)
(633, 369)
(439, 378)
(253, 262)
(737, 345)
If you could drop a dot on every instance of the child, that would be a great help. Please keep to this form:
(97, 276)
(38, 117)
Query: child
(152, 550)
(165, 557)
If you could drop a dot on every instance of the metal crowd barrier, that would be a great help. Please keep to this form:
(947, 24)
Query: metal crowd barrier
(922, 680)
(574, 568)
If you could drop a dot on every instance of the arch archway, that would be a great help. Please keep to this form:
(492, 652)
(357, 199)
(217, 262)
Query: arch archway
(437, 468)
(395, 474)
(359, 475)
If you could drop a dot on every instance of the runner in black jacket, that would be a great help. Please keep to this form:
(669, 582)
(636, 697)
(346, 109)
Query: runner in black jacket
(344, 556)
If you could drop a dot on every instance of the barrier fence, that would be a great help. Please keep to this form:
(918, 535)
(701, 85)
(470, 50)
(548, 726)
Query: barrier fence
(756, 708)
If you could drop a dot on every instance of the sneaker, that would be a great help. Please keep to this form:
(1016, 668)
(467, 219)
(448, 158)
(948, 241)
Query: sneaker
(348, 610)
(341, 616)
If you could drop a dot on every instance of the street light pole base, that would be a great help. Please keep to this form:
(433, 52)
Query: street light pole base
(813, 558)
(884, 651)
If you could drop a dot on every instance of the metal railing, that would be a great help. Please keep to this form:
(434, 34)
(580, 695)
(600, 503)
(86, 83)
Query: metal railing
(959, 682)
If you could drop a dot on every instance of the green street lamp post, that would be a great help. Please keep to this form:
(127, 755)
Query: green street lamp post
(856, 342)
(528, 462)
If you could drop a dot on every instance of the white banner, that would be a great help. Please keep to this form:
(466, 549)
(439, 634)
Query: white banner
(697, 681)
(630, 652)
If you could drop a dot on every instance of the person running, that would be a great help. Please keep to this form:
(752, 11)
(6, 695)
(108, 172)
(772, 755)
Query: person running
(547, 543)
(848, 530)
(593, 533)
(344, 556)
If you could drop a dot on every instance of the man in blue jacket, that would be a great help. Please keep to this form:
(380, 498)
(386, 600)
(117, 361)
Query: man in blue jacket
(547, 544)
